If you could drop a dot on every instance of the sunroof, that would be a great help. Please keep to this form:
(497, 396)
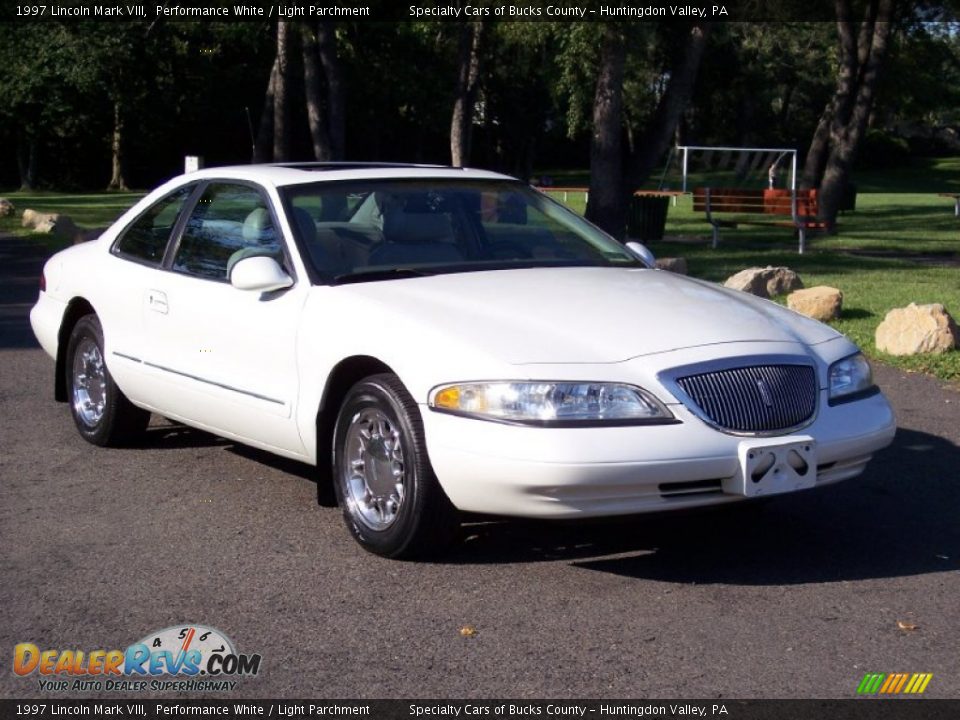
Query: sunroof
(353, 165)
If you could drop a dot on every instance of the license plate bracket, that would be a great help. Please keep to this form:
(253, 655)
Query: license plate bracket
(770, 467)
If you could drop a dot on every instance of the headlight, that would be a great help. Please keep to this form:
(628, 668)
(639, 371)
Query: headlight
(550, 403)
(850, 377)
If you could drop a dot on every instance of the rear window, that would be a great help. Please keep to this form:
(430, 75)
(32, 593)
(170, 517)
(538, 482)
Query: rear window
(145, 240)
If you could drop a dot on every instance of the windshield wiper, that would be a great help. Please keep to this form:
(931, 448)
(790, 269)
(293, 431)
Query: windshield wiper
(381, 274)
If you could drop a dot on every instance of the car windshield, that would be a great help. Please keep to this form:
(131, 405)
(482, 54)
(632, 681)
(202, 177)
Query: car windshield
(379, 229)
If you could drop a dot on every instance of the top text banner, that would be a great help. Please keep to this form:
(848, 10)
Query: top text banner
(629, 11)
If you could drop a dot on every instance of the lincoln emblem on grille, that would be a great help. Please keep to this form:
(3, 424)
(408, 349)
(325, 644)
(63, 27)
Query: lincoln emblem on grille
(765, 393)
(754, 398)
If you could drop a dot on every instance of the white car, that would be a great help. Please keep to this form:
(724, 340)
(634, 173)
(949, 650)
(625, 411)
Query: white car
(440, 340)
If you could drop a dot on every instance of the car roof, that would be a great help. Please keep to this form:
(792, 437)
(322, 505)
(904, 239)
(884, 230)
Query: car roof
(281, 174)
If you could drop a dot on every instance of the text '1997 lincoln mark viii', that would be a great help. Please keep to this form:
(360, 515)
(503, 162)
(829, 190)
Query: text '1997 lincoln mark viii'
(437, 341)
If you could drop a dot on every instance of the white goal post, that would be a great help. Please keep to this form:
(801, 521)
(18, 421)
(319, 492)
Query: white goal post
(767, 157)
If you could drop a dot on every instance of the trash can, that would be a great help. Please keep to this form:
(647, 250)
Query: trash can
(647, 216)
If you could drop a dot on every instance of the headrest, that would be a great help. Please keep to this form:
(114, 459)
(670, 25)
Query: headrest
(306, 225)
(258, 227)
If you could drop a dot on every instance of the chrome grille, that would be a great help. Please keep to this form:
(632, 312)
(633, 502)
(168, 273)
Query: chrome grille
(759, 398)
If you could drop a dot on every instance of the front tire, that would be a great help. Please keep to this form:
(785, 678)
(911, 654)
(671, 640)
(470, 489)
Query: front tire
(101, 412)
(392, 503)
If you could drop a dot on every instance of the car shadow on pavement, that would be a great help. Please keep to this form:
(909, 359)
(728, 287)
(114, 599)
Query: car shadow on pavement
(899, 518)
(168, 435)
(289, 466)
(284, 465)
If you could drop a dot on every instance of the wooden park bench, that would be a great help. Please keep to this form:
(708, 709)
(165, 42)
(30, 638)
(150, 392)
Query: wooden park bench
(759, 207)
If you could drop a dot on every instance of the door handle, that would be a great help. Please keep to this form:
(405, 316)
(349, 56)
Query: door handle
(157, 301)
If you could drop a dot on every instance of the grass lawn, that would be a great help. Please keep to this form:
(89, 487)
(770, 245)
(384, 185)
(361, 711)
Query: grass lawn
(93, 210)
(894, 249)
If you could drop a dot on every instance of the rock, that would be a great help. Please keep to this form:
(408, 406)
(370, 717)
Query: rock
(782, 280)
(38, 221)
(821, 303)
(6, 208)
(61, 225)
(750, 280)
(917, 329)
(765, 282)
(674, 265)
(64, 227)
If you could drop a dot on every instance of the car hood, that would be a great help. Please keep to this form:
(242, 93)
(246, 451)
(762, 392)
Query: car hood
(581, 315)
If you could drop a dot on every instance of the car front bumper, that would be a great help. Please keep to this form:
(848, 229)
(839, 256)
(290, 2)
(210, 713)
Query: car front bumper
(489, 467)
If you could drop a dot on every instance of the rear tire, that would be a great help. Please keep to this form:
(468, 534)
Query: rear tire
(101, 412)
(391, 500)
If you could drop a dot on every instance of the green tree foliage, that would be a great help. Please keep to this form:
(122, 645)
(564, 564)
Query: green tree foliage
(763, 83)
(198, 88)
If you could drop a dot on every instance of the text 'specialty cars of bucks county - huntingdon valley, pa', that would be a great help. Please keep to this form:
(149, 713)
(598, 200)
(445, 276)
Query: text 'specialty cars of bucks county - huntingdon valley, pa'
(439, 341)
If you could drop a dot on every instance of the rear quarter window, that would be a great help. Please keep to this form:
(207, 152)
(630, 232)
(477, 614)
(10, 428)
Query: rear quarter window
(145, 240)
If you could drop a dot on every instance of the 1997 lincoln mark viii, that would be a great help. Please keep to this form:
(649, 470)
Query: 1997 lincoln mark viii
(438, 340)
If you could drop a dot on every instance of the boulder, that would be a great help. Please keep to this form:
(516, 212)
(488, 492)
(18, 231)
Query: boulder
(917, 329)
(765, 282)
(60, 225)
(38, 221)
(821, 303)
(675, 265)
(66, 228)
(782, 280)
(6, 208)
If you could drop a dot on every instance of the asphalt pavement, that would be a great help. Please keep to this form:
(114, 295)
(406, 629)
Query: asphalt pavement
(102, 547)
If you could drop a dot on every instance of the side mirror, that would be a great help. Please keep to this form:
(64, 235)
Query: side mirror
(642, 253)
(259, 273)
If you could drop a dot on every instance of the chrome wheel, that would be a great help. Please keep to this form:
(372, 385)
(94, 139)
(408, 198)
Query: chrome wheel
(391, 500)
(89, 382)
(373, 470)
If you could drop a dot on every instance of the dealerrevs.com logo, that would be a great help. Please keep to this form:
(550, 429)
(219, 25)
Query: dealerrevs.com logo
(178, 658)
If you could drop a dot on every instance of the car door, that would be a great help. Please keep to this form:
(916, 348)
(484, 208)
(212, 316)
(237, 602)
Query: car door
(224, 358)
(136, 258)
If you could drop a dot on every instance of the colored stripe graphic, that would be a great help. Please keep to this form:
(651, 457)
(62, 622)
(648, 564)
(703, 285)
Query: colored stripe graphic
(894, 683)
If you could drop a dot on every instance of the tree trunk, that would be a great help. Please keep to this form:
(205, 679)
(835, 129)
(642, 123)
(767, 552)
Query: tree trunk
(117, 181)
(336, 103)
(263, 146)
(27, 162)
(281, 101)
(468, 75)
(606, 206)
(818, 151)
(672, 103)
(857, 84)
(315, 86)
